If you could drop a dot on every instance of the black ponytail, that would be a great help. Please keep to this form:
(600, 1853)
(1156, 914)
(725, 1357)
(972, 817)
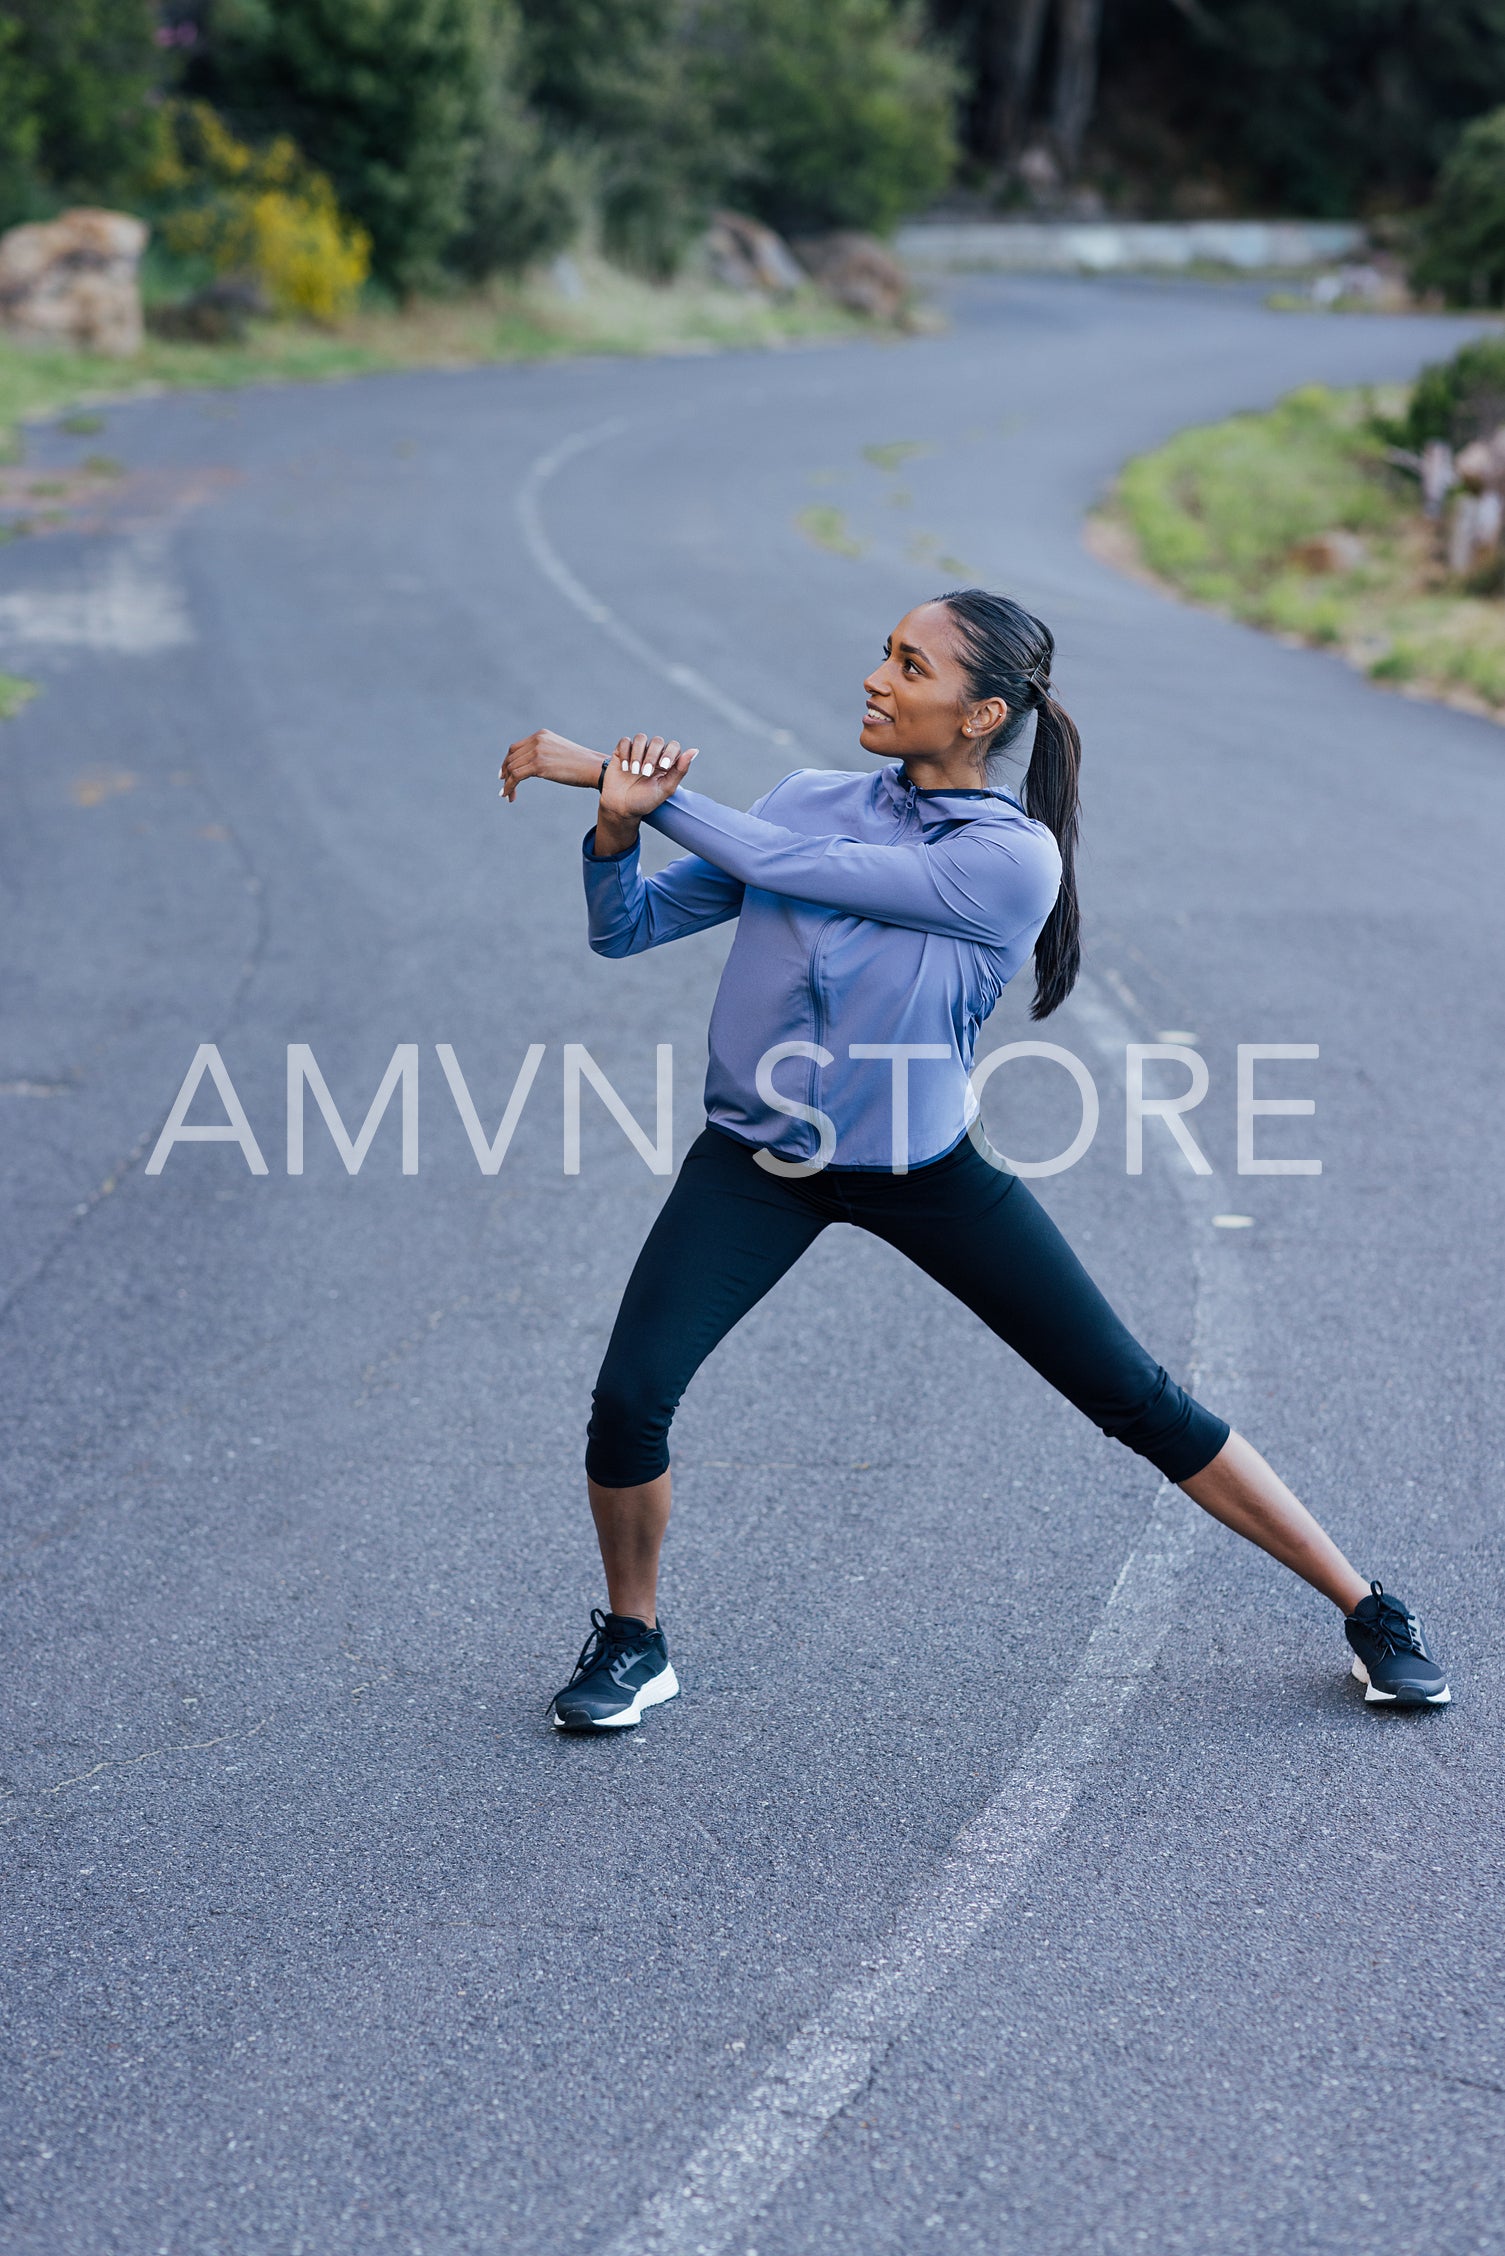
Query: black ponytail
(1006, 652)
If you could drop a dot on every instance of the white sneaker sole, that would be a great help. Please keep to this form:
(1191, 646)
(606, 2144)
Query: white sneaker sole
(1373, 1697)
(664, 1686)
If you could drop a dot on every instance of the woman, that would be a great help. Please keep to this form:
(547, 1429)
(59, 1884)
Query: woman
(879, 918)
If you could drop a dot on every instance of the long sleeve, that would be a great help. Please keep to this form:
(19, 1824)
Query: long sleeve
(627, 912)
(981, 884)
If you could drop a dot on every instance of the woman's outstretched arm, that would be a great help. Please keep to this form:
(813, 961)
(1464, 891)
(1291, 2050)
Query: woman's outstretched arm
(985, 884)
(627, 912)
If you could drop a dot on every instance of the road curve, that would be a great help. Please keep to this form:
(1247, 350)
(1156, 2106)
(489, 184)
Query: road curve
(1019, 1840)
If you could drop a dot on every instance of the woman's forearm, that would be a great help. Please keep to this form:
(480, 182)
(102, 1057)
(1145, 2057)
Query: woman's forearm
(615, 834)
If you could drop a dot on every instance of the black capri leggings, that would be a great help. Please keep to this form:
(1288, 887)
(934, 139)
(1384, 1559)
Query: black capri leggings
(729, 1230)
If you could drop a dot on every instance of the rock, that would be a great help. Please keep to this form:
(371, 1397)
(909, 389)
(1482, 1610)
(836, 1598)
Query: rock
(219, 314)
(743, 254)
(1481, 464)
(1039, 173)
(857, 271)
(1375, 288)
(1330, 552)
(75, 279)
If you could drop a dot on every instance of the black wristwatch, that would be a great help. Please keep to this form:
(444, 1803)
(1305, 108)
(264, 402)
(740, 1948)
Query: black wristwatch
(601, 778)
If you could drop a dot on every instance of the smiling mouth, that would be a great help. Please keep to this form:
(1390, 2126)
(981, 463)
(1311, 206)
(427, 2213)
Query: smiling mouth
(872, 716)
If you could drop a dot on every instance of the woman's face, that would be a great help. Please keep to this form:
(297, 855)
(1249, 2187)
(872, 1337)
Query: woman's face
(917, 701)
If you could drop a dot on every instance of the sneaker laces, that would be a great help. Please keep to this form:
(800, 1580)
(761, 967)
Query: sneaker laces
(1396, 1630)
(602, 1641)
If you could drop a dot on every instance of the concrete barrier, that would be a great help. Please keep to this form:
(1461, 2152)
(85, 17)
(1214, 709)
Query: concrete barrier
(1114, 246)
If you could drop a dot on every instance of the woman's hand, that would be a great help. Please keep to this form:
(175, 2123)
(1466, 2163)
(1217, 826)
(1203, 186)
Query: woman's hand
(552, 757)
(644, 772)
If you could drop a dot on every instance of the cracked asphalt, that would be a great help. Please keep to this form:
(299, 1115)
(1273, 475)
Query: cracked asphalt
(316, 1938)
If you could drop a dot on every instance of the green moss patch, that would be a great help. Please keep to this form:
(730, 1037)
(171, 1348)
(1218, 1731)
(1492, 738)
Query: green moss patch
(15, 691)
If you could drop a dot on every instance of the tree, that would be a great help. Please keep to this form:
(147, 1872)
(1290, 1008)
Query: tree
(77, 84)
(842, 113)
(1317, 106)
(1004, 42)
(1009, 35)
(385, 96)
(523, 197)
(1463, 231)
(20, 130)
(1313, 106)
(621, 84)
(1077, 25)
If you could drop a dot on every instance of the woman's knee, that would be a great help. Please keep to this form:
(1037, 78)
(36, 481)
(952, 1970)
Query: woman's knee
(1171, 1429)
(627, 1440)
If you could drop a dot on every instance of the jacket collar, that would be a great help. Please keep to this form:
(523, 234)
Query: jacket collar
(893, 788)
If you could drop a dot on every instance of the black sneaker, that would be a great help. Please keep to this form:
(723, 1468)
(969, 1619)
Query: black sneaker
(1390, 1654)
(623, 1668)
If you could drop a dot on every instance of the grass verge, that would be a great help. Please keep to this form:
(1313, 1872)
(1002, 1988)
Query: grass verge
(15, 691)
(614, 313)
(1237, 515)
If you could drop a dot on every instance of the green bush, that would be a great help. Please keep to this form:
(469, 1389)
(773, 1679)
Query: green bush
(255, 212)
(1463, 229)
(383, 96)
(810, 116)
(78, 83)
(523, 198)
(416, 112)
(1458, 399)
(624, 86)
(844, 112)
(20, 130)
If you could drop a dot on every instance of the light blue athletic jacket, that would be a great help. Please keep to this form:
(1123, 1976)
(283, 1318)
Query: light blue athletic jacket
(868, 913)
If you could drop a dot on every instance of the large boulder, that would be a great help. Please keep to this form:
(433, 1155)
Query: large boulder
(857, 271)
(743, 254)
(74, 280)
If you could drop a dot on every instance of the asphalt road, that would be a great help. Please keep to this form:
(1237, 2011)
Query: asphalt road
(317, 1939)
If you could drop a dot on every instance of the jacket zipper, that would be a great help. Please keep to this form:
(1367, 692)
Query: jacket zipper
(817, 1007)
(818, 1020)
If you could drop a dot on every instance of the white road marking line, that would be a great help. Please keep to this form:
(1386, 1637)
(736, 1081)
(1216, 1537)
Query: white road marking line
(755, 2149)
(554, 569)
(761, 2144)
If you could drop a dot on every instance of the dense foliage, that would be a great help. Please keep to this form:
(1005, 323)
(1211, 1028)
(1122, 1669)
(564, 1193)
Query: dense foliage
(1463, 235)
(261, 212)
(808, 117)
(78, 83)
(466, 137)
(469, 136)
(384, 96)
(843, 113)
(1306, 106)
(1458, 399)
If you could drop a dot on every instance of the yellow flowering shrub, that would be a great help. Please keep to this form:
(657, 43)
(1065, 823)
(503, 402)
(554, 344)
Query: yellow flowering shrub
(261, 212)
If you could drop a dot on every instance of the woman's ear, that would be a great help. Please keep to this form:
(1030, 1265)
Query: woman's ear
(986, 719)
